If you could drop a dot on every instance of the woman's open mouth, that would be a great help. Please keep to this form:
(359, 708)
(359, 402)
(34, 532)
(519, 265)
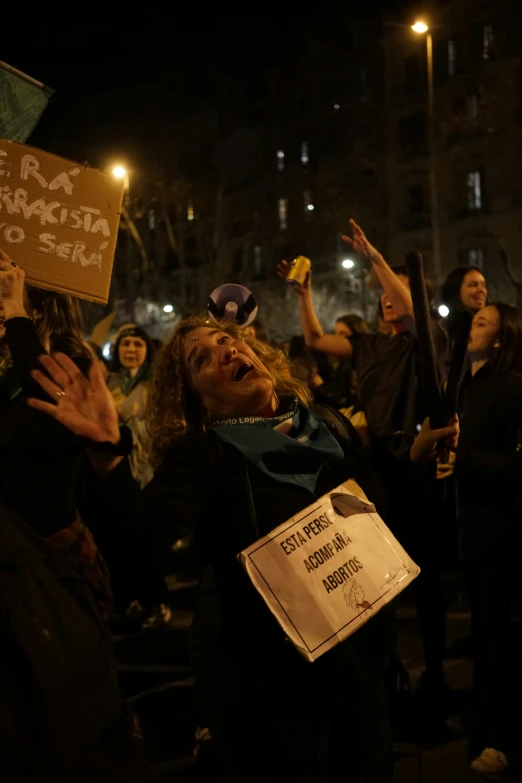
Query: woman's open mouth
(241, 371)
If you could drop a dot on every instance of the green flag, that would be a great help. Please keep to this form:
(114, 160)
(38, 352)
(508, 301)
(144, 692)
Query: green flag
(22, 101)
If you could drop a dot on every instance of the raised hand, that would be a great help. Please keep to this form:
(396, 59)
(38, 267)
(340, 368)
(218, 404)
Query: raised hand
(12, 279)
(83, 405)
(360, 243)
(282, 271)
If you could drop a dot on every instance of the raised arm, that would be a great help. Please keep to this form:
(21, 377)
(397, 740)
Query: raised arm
(148, 520)
(397, 292)
(313, 332)
(24, 344)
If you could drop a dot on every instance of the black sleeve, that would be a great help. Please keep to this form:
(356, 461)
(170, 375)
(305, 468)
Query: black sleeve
(137, 527)
(503, 464)
(490, 465)
(25, 348)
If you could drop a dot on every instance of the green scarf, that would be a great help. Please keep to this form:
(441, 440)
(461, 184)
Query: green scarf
(128, 382)
(295, 456)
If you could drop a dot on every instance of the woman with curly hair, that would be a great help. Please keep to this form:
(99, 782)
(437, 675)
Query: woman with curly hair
(238, 450)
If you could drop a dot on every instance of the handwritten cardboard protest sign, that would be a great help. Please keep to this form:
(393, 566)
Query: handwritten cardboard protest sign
(328, 570)
(59, 220)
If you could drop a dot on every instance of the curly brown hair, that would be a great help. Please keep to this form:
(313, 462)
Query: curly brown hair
(173, 409)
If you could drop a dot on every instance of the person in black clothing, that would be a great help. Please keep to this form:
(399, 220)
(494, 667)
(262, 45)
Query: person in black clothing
(238, 451)
(488, 475)
(40, 460)
(388, 389)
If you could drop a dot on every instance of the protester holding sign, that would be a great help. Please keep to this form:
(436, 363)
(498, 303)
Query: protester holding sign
(239, 451)
(40, 460)
(59, 220)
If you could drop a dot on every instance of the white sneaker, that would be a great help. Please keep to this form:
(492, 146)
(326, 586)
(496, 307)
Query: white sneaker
(491, 764)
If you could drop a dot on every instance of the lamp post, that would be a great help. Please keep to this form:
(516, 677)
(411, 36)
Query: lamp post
(421, 28)
(120, 172)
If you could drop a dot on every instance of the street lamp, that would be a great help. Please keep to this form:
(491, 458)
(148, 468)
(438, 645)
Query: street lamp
(420, 28)
(348, 263)
(120, 172)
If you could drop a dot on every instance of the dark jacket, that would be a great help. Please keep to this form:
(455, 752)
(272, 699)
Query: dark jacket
(39, 457)
(488, 469)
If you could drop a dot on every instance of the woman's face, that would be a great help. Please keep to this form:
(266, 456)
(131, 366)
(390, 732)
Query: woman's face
(226, 375)
(485, 330)
(132, 352)
(342, 329)
(473, 291)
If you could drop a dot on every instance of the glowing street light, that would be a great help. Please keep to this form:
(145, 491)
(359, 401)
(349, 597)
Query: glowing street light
(348, 263)
(119, 172)
(420, 27)
(444, 311)
(310, 207)
(168, 309)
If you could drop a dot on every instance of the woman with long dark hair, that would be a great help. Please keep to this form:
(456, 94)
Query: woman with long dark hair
(464, 289)
(239, 449)
(488, 476)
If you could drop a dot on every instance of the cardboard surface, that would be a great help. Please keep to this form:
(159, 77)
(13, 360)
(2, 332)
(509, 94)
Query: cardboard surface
(59, 220)
(328, 570)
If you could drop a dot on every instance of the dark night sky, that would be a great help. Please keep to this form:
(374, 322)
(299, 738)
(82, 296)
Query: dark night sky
(107, 71)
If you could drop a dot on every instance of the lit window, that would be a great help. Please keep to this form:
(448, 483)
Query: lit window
(190, 211)
(307, 199)
(474, 190)
(472, 107)
(280, 160)
(258, 263)
(152, 220)
(452, 57)
(283, 210)
(476, 257)
(304, 153)
(487, 49)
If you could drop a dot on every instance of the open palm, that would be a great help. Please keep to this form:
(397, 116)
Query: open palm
(360, 242)
(83, 405)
